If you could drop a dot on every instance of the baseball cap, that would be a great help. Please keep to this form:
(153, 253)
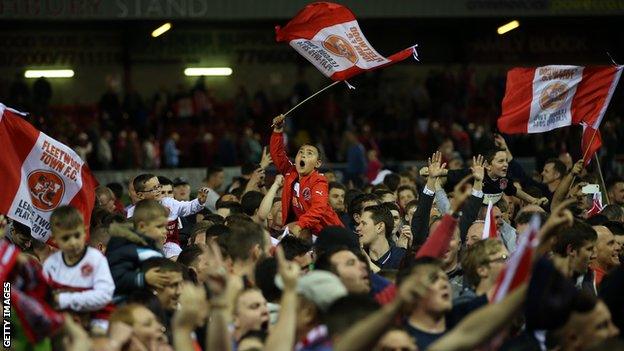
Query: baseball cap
(320, 287)
(180, 181)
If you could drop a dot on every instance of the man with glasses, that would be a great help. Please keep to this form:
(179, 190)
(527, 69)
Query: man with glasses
(482, 263)
(147, 186)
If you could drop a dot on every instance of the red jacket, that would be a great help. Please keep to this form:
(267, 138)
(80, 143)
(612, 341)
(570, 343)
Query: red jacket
(314, 191)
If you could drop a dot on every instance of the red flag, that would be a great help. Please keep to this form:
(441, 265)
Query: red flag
(518, 267)
(596, 205)
(590, 142)
(40, 174)
(329, 36)
(489, 227)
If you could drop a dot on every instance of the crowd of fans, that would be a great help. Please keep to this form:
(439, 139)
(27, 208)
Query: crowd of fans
(307, 261)
(397, 120)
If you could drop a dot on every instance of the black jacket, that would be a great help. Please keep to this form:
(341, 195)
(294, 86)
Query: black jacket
(125, 253)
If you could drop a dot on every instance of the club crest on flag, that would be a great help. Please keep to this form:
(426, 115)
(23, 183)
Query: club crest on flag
(46, 189)
(340, 47)
(553, 96)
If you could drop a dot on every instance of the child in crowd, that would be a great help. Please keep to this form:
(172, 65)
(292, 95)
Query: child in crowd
(305, 203)
(79, 275)
(129, 248)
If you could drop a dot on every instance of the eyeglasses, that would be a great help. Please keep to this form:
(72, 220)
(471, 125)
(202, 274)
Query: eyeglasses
(501, 259)
(154, 189)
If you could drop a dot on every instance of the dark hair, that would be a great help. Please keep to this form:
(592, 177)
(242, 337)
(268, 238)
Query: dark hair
(382, 192)
(139, 181)
(166, 265)
(407, 187)
(381, 213)
(575, 237)
(189, 255)
(238, 191)
(217, 230)
(321, 157)
(251, 202)
(347, 309)
(558, 166)
(210, 171)
(117, 189)
(355, 206)
(411, 263)
(617, 228)
(214, 218)
(351, 194)
(391, 206)
(294, 246)
(234, 207)
(164, 180)
(337, 185)
(613, 212)
(265, 273)
(248, 168)
(242, 238)
(613, 181)
(66, 217)
(525, 217)
(323, 262)
(392, 181)
(598, 219)
(489, 156)
(237, 218)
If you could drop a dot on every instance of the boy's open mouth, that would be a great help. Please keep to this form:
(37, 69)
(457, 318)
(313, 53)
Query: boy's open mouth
(302, 164)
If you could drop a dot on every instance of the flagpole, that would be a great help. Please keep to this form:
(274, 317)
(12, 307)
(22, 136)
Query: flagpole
(602, 182)
(584, 154)
(311, 96)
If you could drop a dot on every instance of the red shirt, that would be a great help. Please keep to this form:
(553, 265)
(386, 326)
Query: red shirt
(310, 204)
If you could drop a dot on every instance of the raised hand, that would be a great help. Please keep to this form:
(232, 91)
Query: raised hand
(541, 201)
(435, 166)
(216, 272)
(578, 167)
(193, 308)
(289, 271)
(278, 123)
(478, 168)
(266, 158)
(279, 180)
(500, 142)
(155, 278)
(202, 195)
(560, 216)
(405, 237)
(412, 288)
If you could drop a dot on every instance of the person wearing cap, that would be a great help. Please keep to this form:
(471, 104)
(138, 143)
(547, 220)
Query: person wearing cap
(316, 291)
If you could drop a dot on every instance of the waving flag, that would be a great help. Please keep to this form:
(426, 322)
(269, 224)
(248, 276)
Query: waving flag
(40, 174)
(518, 267)
(596, 205)
(329, 36)
(541, 99)
(489, 227)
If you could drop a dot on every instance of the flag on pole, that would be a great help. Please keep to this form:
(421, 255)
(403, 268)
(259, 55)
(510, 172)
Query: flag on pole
(541, 99)
(591, 141)
(40, 174)
(489, 227)
(329, 36)
(596, 205)
(518, 267)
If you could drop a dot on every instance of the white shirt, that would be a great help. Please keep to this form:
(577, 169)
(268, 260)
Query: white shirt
(88, 284)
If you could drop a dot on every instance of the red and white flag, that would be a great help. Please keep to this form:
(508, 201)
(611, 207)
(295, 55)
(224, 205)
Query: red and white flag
(329, 36)
(518, 268)
(40, 174)
(541, 99)
(489, 227)
(596, 205)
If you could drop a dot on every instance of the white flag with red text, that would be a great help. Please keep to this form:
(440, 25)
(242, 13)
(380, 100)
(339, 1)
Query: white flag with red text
(490, 229)
(329, 36)
(40, 174)
(544, 98)
(518, 268)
